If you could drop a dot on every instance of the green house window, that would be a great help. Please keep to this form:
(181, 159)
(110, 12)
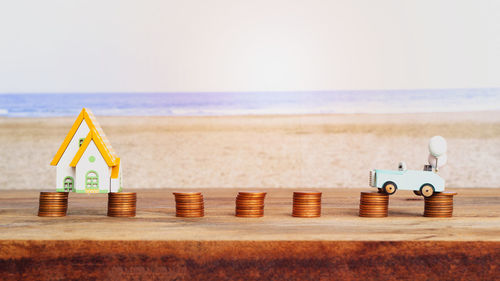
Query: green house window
(91, 180)
(68, 183)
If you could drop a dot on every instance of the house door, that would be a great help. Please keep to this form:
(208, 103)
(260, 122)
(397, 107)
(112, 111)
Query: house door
(92, 182)
(68, 184)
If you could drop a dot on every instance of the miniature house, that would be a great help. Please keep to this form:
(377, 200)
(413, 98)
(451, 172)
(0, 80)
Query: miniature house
(86, 162)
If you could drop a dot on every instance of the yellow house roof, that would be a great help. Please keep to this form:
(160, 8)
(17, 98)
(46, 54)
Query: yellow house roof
(115, 171)
(104, 148)
(93, 125)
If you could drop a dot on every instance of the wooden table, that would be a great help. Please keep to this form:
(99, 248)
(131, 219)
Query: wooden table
(339, 244)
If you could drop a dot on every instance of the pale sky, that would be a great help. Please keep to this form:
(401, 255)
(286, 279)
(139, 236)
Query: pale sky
(231, 45)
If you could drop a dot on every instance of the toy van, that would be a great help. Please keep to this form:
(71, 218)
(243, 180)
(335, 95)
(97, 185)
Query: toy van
(424, 183)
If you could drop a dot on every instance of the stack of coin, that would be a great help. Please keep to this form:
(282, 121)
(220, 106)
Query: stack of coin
(122, 204)
(250, 204)
(439, 205)
(306, 204)
(189, 204)
(373, 204)
(53, 204)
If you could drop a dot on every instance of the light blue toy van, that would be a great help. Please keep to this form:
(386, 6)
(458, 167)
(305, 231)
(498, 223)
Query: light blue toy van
(424, 183)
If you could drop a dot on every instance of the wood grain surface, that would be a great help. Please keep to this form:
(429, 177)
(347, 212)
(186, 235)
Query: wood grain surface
(248, 260)
(87, 245)
(476, 218)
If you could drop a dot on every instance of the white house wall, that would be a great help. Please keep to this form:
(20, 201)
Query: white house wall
(99, 165)
(116, 184)
(63, 169)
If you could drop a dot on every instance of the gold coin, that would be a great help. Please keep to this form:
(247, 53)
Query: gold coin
(374, 194)
(122, 205)
(122, 193)
(307, 197)
(307, 192)
(444, 193)
(252, 192)
(373, 208)
(121, 208)
(190, 213)
(196, 206)
(438, 216)
(53, 199)
(374, 197)
(249, 216)
(187, 193)
(301, 216)
(198, 197)
(243, 198)
(250, 200)
(249, 213)
(249, 208)
(53, 193)
(122, 216)
(306, 212)
(437, 203)
(306, 206)
(116, 197)
(306, 200)
(439, 211)
(372, 216)
(249, 204)
(373, 211)
(381, 203)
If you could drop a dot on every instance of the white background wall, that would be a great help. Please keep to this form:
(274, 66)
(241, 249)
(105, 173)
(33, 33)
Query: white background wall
(237, 45)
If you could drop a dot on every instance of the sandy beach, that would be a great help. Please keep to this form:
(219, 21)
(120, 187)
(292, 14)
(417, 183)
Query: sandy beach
(262, 151)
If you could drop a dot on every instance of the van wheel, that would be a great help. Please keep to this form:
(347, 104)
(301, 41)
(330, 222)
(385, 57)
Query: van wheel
(427, 190)
(389, 187)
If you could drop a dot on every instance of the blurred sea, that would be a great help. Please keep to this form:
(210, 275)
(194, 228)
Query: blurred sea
(250, 103)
